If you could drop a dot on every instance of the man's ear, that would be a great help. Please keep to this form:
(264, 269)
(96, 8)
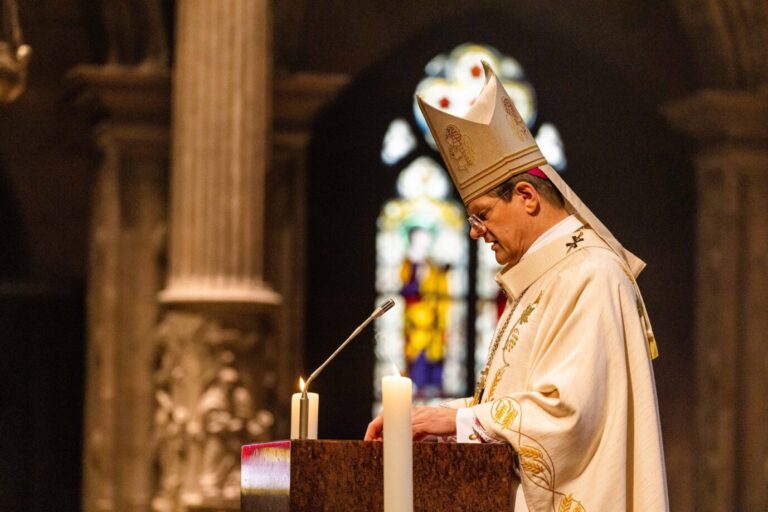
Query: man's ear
(529, 195)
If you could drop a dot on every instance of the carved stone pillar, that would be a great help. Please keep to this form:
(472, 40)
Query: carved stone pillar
(731, 296)
(215, 375)
(125, 274)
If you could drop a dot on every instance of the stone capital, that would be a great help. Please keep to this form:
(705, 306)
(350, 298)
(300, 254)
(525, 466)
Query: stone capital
(714, 116)
(124, 93)
(211, 294)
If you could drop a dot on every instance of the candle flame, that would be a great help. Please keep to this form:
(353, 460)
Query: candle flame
(397, 370)
(301, 383)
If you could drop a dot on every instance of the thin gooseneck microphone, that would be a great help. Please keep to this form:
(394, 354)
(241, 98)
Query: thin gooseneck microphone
(386, 306)
(304, 399)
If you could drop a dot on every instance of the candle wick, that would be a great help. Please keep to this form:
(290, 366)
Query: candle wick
(394, 366)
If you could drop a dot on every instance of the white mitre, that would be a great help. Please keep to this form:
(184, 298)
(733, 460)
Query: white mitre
(492, 143)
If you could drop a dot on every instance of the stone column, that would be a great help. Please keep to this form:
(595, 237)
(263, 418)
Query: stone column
(125, 275)
(221, 120)
(731, 296)
(215, 374)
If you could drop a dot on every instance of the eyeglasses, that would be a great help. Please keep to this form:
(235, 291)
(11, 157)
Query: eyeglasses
(477, 221)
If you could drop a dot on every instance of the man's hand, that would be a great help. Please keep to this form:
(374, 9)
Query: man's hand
(425, 421)
(375, 429)
(432, 421)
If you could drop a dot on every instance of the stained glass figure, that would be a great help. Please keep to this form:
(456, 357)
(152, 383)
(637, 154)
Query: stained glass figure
(422, 261)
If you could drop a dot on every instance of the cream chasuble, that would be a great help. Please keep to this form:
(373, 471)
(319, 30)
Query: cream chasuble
(569, 382)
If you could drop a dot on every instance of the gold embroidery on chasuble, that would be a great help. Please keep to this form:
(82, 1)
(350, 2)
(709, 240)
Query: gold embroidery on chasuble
(459, 148)
(529, 309)
(512, 339)
(567, 502)
(536, 463)
(535, 466)
(650, 338)
(480, 386)
(504, 412)
(496, 380)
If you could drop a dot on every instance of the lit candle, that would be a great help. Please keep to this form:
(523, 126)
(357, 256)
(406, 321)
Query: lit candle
(314, 401)
(398, 444)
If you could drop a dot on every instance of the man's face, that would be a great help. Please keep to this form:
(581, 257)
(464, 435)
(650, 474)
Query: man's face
(507, 226)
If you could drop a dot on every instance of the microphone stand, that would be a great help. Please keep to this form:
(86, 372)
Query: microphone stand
(304, 399)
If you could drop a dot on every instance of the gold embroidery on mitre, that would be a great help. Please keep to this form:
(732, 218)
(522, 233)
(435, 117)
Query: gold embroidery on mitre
(503, 412)
(514, 118)
(459, 148)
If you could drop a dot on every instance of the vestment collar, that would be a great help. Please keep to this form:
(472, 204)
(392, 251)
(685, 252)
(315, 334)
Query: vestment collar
(515, 279)
(568, 225)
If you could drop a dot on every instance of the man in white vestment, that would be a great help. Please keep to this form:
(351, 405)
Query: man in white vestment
(569, 381)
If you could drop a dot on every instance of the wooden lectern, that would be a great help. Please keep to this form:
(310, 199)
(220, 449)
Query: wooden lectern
(348, 476)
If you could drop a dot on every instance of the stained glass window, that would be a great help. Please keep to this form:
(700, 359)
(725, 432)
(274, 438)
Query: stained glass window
(398, 142)
(422, 250)
(423, 241)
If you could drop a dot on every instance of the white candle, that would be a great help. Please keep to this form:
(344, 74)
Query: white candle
(314, 402)
(398, 444)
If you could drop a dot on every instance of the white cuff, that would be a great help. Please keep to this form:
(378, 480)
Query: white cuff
(465, 426)
(469, 429)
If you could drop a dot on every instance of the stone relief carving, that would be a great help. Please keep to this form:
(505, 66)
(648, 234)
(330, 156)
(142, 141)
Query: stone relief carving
(207, 406)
